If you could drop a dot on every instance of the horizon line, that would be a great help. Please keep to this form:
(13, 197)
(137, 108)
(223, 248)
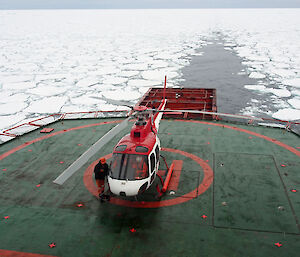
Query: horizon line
(139, 8)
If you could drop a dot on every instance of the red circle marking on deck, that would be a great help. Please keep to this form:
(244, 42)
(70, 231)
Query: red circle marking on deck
(2, 156)
(277, 142)
(205, 184)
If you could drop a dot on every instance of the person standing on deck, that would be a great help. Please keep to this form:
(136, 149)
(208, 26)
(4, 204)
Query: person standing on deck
(101, 171)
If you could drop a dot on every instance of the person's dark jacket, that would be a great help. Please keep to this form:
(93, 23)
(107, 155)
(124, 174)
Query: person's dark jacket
(101, 170)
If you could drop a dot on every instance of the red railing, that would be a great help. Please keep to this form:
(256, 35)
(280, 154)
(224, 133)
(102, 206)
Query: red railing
(37, 123)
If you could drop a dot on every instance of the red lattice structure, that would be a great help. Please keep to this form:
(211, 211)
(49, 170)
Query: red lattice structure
(198, 99)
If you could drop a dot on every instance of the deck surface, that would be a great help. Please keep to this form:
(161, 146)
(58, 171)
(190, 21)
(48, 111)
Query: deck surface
(236, 194)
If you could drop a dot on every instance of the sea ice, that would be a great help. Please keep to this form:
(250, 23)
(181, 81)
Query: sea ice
(111, 107)
(256, 75)
(295, 102)
(15, 78)
(159, 75)
(18, 85)
(77, 108)
(143, 83)
(143, 90)
(198, 54)
(283, 72)
(13, 98)
(11, 107)
(87, 49)
(86, 82)
(49, 76)
(287, 114)
(261, 88)
(122, 94)
(279, 92)
(128, 74)
(5, 95)
(86, 100)
(8, 121)
(296, 92)
(292, 82)
(47, 90)
(114, 80)
(47, 105)
(135, 66)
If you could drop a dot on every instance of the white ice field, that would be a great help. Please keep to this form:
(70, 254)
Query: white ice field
(56, 60)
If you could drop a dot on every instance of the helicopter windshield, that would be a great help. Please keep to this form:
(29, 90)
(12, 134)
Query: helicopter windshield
(129, 166)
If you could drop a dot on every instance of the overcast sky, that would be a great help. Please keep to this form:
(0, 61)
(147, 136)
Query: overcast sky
(91, 4)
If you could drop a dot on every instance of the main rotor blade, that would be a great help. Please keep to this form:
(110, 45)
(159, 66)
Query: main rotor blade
(75, 166)
(115, 102)
(213, 113)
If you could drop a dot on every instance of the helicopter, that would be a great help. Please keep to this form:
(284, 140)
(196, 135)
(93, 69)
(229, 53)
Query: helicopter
(135, 158)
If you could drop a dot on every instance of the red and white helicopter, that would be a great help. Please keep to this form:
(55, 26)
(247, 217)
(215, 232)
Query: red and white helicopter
(135, 159)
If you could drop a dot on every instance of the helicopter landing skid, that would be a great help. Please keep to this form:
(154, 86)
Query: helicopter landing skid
(165, 183)
(104, 197)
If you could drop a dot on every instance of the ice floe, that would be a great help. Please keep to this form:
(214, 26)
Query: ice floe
(8, 121)
(47, 105)
(292, 82)
(143, 83)
(122, 94)
(18, 85)
(279, 92)
(86, 100)
(5, 98)
(158, 64)
(47, 90)
(114, 80)
(283, 72)
(256, 75)
(283, 92)
(295, 103)
(261, 88)
(12, 107)
(287, 114)
(128, 74)
(87, 82)
(136, 66)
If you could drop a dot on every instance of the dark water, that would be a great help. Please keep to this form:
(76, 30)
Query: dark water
(218, 68)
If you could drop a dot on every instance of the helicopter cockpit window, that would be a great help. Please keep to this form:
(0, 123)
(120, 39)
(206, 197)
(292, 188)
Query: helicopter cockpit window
(121, 148)
(129, 166)
(141, 149)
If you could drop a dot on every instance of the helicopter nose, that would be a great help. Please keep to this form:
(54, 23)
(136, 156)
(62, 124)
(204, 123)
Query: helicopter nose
(125, 188)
